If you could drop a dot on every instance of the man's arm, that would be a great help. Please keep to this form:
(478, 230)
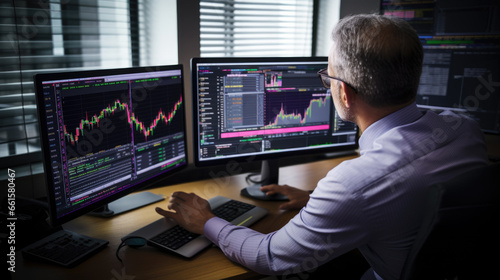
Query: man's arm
(192, 211)
(328, 226)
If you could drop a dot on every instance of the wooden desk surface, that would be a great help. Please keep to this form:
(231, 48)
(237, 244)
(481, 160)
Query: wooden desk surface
(151, 263)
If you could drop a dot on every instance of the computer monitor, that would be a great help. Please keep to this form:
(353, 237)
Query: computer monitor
(107, 133)
(249, 109)
(461, 41)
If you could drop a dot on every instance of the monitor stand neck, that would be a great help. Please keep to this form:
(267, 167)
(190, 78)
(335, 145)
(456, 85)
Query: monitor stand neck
(102, 211)
(269, 174)
(126, 203)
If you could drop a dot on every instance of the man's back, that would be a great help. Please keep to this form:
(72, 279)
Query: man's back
(401, 155)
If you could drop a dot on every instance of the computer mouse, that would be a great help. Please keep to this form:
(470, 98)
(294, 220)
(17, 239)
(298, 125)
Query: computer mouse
(135, 242)
(255, 192)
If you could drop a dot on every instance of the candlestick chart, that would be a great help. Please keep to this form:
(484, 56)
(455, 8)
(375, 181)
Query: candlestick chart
(158, 113)
(111, 119)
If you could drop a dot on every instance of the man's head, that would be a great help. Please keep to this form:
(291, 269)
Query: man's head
(380, 56)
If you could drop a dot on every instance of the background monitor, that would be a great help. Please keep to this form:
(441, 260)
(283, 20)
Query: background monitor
(107, 133)
(247, 109)
(461, 69)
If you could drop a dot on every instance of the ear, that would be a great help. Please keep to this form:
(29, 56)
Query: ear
(347, 95)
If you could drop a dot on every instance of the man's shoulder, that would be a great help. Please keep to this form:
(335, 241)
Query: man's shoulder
(447, 133)
(432, 130)
(353, 174)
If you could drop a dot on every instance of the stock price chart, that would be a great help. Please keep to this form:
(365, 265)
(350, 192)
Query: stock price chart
(119, 131)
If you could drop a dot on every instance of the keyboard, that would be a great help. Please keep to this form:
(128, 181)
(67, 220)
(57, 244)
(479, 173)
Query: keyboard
(174, 238)
(64, 248)
(177, 236)
(232, 209)
(165, 234)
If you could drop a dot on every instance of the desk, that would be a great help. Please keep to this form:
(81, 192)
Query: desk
(151, 263)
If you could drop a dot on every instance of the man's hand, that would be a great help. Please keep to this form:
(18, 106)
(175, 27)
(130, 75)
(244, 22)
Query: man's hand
(191, 211)
(297, 198)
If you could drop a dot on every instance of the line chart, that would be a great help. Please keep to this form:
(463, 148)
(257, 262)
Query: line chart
(316, 111)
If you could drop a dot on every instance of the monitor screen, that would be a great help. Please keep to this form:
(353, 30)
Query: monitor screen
(461, 41)
(264, 108)
(106, 133)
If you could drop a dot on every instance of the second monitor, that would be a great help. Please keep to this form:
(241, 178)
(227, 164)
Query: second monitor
(247, 109)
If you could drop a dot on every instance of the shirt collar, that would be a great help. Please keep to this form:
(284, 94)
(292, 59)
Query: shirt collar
(403, 116)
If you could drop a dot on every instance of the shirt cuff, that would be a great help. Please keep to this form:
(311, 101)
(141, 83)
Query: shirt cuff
(213, 227)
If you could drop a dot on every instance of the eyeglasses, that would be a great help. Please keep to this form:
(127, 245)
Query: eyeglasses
(325, 79)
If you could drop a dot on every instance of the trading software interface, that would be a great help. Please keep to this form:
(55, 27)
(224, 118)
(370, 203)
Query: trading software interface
(461, 41)
(109, 133)
(254, 108)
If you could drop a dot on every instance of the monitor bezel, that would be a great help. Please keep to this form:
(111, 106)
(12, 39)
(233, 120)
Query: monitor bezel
(251, 158)
(42, 120)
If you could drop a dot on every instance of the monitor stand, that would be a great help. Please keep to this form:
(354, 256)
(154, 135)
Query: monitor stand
(127, 203)
(269, 174)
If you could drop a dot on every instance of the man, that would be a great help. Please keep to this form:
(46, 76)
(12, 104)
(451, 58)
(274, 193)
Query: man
(375, 202)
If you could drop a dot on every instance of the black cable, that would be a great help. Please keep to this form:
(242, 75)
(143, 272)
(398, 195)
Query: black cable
(248, 178)
(126, 242)
(123, 244)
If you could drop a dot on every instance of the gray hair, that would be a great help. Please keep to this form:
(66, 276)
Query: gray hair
(380, 56)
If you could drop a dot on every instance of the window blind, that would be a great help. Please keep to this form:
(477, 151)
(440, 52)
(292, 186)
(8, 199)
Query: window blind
(51, 36)
(256, 28)
(328, 16)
